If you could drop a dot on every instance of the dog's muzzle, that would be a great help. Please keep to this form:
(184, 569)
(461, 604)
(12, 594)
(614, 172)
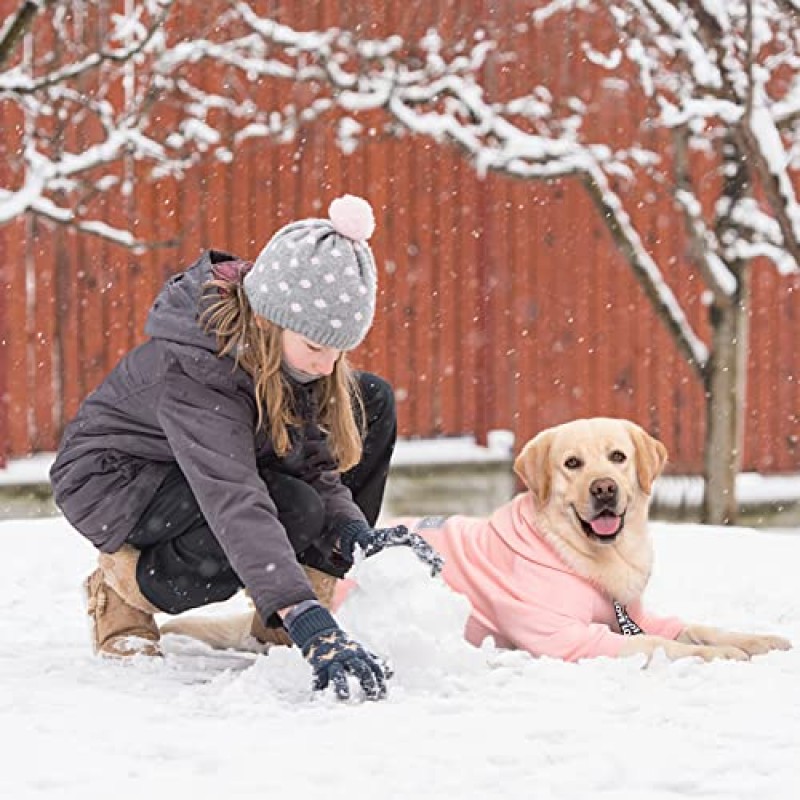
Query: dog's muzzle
(606, 524)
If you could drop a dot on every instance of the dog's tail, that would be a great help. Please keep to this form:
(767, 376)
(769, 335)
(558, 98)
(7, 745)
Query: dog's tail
(232, 632)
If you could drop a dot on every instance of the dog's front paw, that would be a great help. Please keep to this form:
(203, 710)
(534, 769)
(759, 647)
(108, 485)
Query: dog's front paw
(757, 644)
(710, 652)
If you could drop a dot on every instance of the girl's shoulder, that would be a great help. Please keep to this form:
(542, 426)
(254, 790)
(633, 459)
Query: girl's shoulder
(205, 367)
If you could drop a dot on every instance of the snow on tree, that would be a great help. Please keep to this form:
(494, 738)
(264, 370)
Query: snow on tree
(723, 79)
(118, 91)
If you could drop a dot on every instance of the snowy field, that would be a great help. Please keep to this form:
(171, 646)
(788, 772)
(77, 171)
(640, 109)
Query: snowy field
(459, 722)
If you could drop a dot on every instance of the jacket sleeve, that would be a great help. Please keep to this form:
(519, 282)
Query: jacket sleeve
(560, 622)
(543, 628)
(667, 627)
(209, 426)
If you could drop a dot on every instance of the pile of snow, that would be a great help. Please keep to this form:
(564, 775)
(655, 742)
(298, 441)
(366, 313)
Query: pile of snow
(416, 622)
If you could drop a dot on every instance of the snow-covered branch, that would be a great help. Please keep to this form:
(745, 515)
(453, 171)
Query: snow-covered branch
(19, 83)
(48, 178)
(715, 72)
(721, 71)
(646, 269)
(703, 243)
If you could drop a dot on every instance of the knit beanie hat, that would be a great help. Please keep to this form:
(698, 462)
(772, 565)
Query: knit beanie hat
(317, 277)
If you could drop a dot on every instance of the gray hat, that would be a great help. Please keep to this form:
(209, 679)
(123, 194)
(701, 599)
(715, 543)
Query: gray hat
(317, 277)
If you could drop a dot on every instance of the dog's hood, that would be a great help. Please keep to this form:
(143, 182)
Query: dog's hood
(515, 524)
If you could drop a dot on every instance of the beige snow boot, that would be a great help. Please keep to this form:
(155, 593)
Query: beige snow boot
(122, 618)
(323, 586)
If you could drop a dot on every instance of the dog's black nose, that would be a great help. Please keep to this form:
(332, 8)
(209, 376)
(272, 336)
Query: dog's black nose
(603, 491)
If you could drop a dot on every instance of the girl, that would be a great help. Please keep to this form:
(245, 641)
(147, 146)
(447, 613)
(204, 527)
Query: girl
(236, 447)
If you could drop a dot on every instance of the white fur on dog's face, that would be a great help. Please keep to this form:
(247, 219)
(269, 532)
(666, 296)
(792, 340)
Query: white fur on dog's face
(591, 479)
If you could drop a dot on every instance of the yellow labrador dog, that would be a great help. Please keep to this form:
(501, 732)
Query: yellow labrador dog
(589, 487)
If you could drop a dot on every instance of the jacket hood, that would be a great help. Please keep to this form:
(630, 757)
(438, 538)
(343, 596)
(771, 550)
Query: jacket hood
(174, 316)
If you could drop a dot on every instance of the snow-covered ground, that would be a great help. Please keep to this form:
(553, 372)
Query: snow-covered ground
(459, 722)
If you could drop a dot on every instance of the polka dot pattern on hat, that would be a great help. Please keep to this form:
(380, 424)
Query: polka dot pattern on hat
(317, 277)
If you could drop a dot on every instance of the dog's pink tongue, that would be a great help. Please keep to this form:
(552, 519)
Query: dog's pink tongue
(606, 525)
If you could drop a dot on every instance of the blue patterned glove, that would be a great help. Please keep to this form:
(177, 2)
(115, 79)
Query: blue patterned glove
(333, 655)
(372, 540)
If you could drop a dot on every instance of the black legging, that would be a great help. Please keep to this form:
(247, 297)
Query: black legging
(183, 566)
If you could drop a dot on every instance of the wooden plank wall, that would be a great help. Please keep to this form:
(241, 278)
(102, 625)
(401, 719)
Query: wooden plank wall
(503, 303)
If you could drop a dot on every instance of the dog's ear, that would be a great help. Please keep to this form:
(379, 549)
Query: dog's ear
(533, 467)
(651, 456)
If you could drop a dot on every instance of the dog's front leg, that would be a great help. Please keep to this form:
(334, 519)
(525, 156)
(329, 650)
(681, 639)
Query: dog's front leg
(676, 648)
(751, 643)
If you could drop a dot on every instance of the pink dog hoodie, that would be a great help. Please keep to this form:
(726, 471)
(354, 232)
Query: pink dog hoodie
(523, 595)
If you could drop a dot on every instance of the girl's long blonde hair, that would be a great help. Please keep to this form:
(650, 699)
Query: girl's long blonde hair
(259, 351)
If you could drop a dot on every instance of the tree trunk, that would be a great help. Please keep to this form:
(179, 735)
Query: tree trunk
(726, 381)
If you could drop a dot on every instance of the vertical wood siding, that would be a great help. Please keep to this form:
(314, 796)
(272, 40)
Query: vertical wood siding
(502, 303)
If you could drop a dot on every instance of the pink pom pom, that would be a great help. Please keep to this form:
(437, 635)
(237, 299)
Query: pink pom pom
(352, 217)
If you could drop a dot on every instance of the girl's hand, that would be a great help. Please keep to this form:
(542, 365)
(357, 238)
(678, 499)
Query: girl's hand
(334, 656)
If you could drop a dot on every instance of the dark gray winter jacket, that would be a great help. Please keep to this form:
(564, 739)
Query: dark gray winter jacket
(174, 400)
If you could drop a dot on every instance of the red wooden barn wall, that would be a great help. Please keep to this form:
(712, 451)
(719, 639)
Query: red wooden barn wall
(503, 303)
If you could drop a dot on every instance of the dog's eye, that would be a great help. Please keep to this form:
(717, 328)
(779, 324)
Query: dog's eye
(573, 463)
(617, 457)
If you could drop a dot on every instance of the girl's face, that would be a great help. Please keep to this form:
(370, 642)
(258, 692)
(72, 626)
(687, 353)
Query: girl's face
(304, 355)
